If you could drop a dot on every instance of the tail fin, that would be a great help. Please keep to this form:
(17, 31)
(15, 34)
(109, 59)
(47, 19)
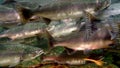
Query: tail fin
(25, 13)
(2, 35)
(98, 62)
(106, 4)
(101, 5)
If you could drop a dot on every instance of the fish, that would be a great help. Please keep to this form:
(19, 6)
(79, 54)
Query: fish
(77, 41)
(9, 17)
(65, 28)
(75, 59)
(61, 31)
(13, 3)
(86, 45)
(58, 30)
(25, 31)
(63, 10)
(11, 53)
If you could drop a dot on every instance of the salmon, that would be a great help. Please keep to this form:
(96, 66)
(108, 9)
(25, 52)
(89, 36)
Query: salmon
(75, 59)
(24, 31)
(11, 53)
(77, 41)
(63, 10)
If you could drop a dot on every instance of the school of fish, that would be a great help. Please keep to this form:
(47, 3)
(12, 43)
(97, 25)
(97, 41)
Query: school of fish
(79, 26)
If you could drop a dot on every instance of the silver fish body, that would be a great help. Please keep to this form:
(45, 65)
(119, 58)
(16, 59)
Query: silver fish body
(44, 2)
(86, 45)
(9, 60)
(27, 30)
(11, 54)
(13, 3)
(8, 15)
(63, 10)
(62, 29)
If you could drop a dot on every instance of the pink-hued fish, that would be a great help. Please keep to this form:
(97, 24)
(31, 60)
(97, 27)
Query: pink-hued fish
(99, 39)
(90, 45)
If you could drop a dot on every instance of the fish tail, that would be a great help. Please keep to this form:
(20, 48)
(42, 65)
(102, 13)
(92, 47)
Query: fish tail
(25, 13)
(106, 4)
(3, 35)
(98, 62)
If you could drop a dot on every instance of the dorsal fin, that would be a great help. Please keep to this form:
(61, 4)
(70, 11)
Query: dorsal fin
(25, 13)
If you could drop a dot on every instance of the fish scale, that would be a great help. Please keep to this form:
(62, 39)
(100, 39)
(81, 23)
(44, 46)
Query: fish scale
(64, 58)
(115, 29)
(62, 10)
(24, 31)
(12, 53)
(100, 38)
(77, 58)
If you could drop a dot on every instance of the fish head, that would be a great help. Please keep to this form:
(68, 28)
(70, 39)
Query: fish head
(31, 53)
(99, 44)
(105, 43)
(102, 4)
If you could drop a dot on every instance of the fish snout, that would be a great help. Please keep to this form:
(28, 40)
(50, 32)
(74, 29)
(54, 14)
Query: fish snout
(109, 43)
